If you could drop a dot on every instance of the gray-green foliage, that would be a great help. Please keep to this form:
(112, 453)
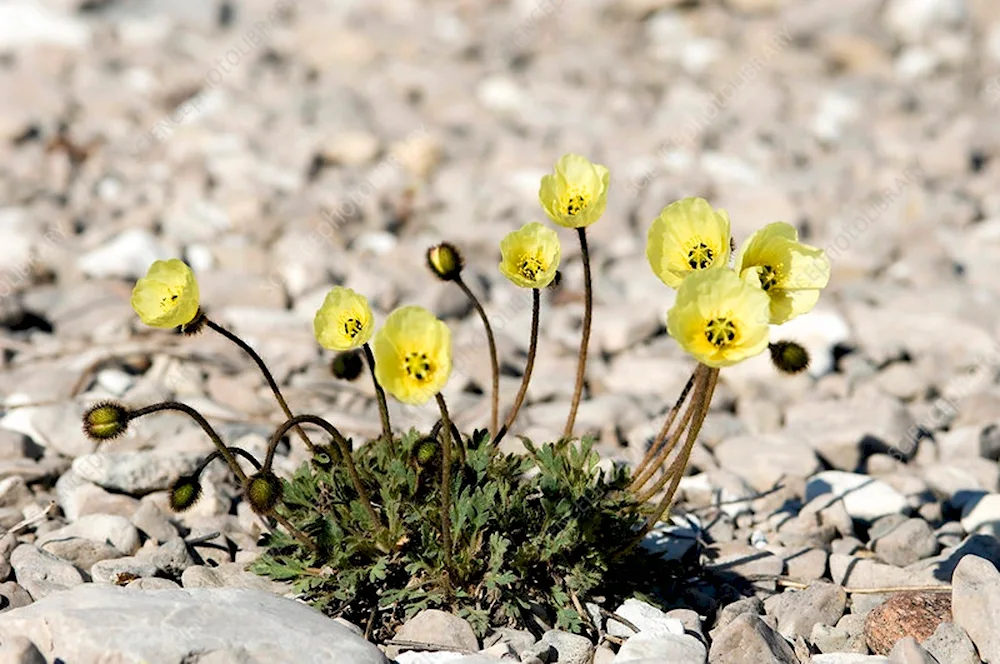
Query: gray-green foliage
(529, 533)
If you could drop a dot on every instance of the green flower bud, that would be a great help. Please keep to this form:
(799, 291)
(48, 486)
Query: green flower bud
(105, 421)
(426, 450)
(184, 493)
(789, 356)
(445, 261)
(263, 490)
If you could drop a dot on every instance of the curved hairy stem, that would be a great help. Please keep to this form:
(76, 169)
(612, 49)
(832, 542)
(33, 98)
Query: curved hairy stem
(657, 445)
(383, 408)
(528, 367)
(345, 451)
(588, 311)
(445, 485)
(179, 407)
(245, 347)
(495, 407)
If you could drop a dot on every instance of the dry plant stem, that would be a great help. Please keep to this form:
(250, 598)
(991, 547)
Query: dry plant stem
(445, 487)
(653, 464)
(588, 311)
(655, 448)
(528, 367)
(495, 408)
(345, 451)
(296, 533)
(202, 422)
(383, 408)
(703, 398)
(245, 347)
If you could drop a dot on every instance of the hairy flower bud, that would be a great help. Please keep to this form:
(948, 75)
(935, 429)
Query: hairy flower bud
(445, 261)
(184, 493)
(105, 421)
(789, 356)
(347, 365)
(263, 490)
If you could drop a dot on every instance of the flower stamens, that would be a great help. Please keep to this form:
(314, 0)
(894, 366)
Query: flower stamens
(574, 204)
(768, 277)
(720, 332)
(530, 267)
(418, 366)
(700, 256)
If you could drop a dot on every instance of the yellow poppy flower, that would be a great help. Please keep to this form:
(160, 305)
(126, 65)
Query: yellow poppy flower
(529, 257)
(688, 236)
(719, 318)
(167, 297)
(412, 355)
(344, 321)
(576, 193)
(791, 273)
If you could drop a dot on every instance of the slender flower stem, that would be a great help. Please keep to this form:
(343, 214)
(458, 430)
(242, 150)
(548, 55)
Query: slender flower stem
(345, 451)
(495, 410)
(639, 482)
(245, 347)
(445, 485)
(383, 409)
(528, 367)
(202, 422)
(657, 447)
(296, 533)
(237, 451)
(588, 311)
(677, 467)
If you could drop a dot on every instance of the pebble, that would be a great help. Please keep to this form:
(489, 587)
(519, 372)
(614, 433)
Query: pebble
(120, 571)
(439, 628)
(975, 604)
(98, 622)
(950, 643)
(906, 543)
(135, 473)
(645, 617)
(910, 613)
(797, 612)
(908, 651)
(865, 498)
(41, 573)
(749, 639)
(982, 514)
(677, 649)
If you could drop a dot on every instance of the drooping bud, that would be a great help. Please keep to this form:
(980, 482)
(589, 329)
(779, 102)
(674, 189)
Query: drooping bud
(263, 490)
(789, 356)
(347, 365)
(426, 450)
(195, 325)
(445, 261)
(105, 421)
(184, 493)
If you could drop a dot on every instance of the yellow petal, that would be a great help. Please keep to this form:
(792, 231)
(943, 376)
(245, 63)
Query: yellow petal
(344, 321)
(168, 296)
(412, 355)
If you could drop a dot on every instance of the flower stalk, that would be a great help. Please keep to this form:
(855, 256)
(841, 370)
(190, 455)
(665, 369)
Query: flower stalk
(528, 367)
(588, 310)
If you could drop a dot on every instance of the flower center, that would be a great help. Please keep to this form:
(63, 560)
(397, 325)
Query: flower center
(169, 300)
(574, 202)
(700, 256)
(768, 277)
(530, 267)
(352, 326)
(417, 366)
(720, 332)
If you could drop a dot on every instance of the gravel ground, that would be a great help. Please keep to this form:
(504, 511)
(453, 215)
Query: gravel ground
(284, 147)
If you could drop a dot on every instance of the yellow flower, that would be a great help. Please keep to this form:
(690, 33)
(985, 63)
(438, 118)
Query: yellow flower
(529, 257)
(576, 194)
(344, 321)
(719, 318)
(687, 236)
(167, 297)
(791, 273)
(412, 355)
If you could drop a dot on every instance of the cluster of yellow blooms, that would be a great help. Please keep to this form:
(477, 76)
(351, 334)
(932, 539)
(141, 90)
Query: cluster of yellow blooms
(720, 316)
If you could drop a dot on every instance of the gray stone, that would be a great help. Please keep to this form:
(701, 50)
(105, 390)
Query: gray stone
(103, 528)
(570, 648)
(120, 571)
(848, 658)
(908, 651)
(798, 611)
(864, 498)
(733, 610)
(83, 553)
(151, 520)
(107, 623)
(646, 617)
(136, 473)
(172, 557)
(848, 635)
(975, 604)
(41, 573)
(13, 596)
(765, 460)
(950, 644)
(748, 639)
(645, 648)
(228, 575)
(439, 628)
(520, 640)
(152, 583)
(906, 543)
(19, 650)
(982, 515)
